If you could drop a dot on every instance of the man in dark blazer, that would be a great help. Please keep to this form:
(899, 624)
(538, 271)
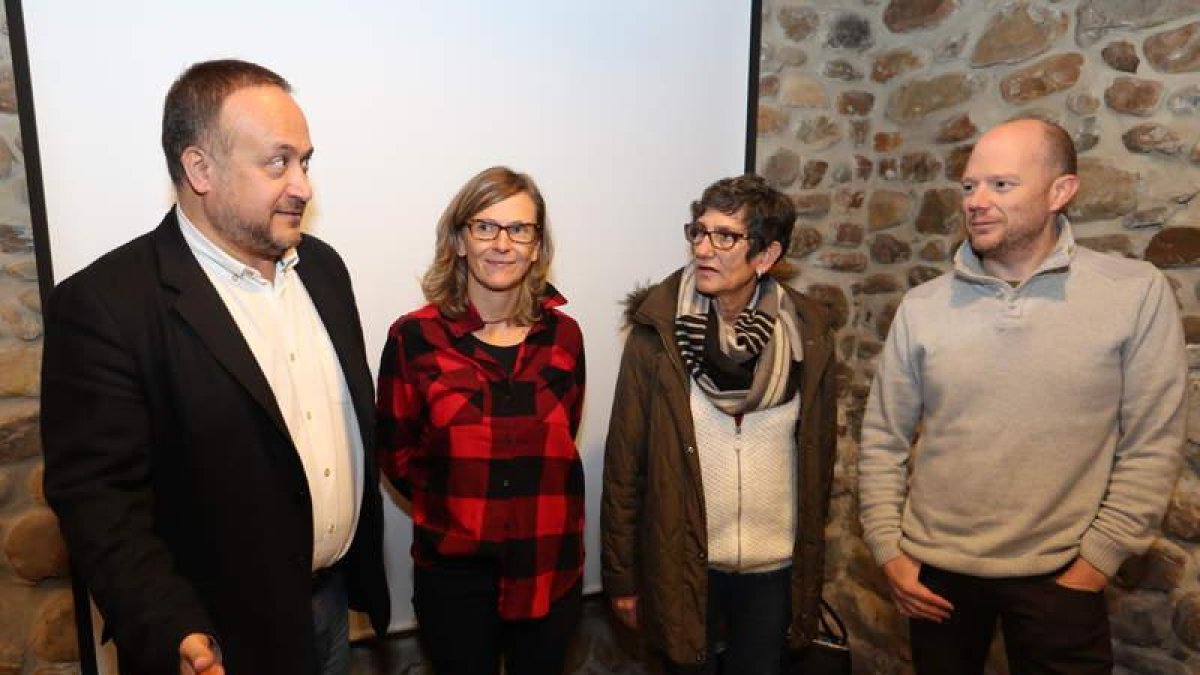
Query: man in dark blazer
(207, 410)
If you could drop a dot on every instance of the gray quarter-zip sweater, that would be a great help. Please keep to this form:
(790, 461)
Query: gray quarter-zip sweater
(1051, 417)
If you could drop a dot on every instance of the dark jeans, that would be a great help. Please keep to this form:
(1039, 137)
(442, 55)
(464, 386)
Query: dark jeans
(462, 632)
(748, 615)
(331, 624)
(1047, 628)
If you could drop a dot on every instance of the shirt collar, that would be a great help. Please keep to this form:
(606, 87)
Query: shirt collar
(202, 246)
(470, 321)
(968, 265)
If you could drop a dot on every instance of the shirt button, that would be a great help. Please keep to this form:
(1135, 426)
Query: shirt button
(292, 356)
(308, 415)
(690, 449)
(700, 555)
(506, 482)
(330, 529)
(327, 472)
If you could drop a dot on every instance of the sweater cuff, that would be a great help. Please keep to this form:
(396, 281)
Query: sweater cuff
(884, 550)
(1103, 553)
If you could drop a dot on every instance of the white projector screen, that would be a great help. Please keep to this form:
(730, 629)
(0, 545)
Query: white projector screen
(621, 110)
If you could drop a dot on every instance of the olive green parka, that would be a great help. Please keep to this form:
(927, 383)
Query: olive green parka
(653, 532)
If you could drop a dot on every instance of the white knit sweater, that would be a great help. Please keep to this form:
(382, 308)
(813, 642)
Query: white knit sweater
(749, 477)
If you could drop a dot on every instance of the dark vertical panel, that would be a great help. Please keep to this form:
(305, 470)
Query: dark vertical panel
(756, 20)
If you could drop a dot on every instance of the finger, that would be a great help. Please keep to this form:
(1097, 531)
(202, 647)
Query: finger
(924, 610)
(196, 654)
(918, 592)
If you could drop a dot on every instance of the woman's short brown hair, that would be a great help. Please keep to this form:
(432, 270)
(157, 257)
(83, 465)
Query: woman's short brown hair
(445, 282)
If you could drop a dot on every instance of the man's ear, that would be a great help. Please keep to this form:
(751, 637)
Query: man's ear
(1062, 190)
(197, 169)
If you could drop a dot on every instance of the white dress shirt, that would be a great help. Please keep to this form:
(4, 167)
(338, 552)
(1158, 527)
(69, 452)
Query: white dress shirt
(292, 347)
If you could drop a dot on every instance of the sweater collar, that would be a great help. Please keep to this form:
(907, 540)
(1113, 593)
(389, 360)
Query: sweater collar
(968, 266)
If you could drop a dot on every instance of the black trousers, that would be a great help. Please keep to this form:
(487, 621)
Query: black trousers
(462, 632)
(748, 617)
(1047, 628)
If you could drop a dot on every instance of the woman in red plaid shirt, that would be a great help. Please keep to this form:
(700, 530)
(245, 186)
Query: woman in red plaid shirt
(480, 394)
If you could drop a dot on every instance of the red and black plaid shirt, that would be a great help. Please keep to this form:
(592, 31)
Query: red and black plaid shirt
(488, 457)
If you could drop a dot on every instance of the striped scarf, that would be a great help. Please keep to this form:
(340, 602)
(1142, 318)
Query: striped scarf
(767, 332)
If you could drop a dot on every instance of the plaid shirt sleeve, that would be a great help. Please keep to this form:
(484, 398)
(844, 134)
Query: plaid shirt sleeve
(399, 411)
(488, 457)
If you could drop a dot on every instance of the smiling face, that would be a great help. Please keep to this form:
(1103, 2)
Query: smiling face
(253, 176)
(1012, 191)
(498, 266)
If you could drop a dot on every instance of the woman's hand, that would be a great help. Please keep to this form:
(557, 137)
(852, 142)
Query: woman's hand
(625, 607)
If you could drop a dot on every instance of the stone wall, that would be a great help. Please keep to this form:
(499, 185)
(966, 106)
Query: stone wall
(867, 114)
(37, 629)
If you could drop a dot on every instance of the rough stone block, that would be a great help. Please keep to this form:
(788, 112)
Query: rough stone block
(1174, 247)
(1133, 96)
(842, 69)
(916, 99)
(19, 432)
(52, 636)
(895, 62)
(903, 16)
(805, 240)
(850, 31)
(956, 129)
(1121, 55)
(1048, 76)
(1175, 51)
(887, 208)
(1104, 192)
(1095, 18)
(1018, 32)
(886, 249)
(34, 547)
(783, 166)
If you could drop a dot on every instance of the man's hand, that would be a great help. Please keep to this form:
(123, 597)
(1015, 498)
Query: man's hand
(199, 655)
(1081, 575)
(625, 608)
(913, 598)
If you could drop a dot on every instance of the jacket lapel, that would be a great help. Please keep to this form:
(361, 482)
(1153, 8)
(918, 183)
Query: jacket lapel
(199, 305)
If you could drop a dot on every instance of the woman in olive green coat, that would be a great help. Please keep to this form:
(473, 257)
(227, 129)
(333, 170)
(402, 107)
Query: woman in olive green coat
(721, 446)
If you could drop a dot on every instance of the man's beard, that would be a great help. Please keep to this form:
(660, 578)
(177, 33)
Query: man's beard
(1012, 240)
(254, 237)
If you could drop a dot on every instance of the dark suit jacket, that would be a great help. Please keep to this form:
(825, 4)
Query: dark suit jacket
(181, 496)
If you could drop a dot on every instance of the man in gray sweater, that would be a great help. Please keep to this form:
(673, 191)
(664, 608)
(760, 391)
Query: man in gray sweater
(1048, 385)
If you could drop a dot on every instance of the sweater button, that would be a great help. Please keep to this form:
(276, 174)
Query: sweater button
(690, 449)
(700, 657)
(700, 555)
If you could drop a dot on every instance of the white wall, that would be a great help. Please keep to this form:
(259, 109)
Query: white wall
(621, 110)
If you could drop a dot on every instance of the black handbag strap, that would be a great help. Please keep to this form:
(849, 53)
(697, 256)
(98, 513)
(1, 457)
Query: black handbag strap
(840, 636)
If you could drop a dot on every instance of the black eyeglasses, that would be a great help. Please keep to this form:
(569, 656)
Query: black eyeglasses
(722, 240)
(488, 230)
